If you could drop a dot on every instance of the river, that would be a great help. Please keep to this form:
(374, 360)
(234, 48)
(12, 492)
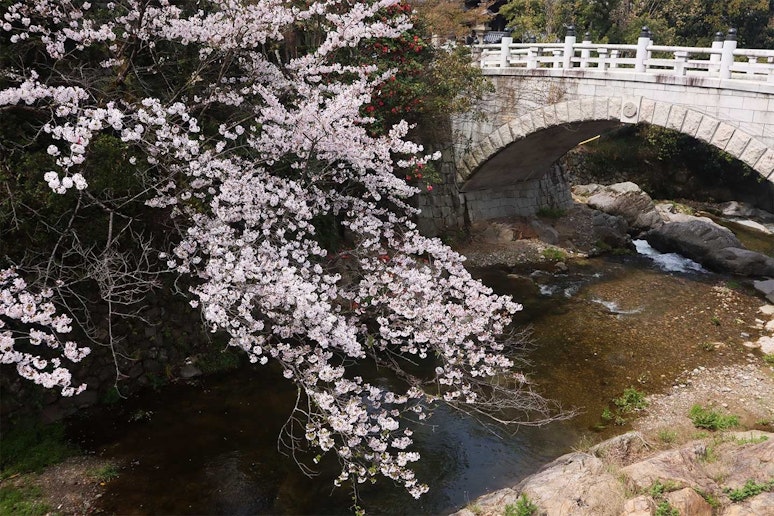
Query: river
(602, 326)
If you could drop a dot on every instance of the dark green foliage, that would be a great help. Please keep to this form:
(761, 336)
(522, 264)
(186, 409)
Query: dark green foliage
(30, 446)
(21, 501)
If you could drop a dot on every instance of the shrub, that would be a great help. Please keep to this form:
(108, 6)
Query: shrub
(523, 507)
(710, 419)
(631, 400)
(749, 489)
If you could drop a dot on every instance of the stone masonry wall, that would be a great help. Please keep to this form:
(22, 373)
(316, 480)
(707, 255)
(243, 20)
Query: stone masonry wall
(521, 199)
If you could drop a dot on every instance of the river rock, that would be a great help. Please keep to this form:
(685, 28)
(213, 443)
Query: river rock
(742, 209)
(682, 466)
(545, 232)
(639, 506)
(741, 261)
(760, 505)
(711, 245)
(576, 484)
(611, 230)
(630, 202)
(688, 501)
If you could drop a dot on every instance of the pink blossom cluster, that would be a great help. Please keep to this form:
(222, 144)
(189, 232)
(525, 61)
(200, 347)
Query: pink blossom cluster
(296, 148)
(29, 322)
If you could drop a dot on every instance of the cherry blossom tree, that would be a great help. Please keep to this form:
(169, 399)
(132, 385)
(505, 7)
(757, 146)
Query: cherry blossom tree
(245, 123)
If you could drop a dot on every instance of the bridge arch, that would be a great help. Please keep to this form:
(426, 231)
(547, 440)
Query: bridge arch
(602, 112)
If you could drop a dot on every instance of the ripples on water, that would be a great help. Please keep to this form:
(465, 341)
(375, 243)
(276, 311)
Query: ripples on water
(605, 325)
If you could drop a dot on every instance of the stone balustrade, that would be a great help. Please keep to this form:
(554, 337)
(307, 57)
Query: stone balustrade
(723, 60)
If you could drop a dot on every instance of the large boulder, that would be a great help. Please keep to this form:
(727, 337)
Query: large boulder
(611, 230)
(711, 245)
(627, 200)
(742, 262)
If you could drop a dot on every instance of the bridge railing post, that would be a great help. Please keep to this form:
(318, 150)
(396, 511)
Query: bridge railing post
(585, 53)
(714, 59)
(681, 61)
(642, 50)
(569, 44)
(727, 58)
(505, 51)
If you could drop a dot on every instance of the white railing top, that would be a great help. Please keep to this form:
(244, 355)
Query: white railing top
(723, 60)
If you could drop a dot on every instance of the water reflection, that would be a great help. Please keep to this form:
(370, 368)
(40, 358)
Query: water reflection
(604, 325)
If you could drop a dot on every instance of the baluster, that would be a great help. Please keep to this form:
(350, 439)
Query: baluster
(751, 61)
(557, 58)
(532, 53)
(614, 55)
(681, 60)
(602, 52)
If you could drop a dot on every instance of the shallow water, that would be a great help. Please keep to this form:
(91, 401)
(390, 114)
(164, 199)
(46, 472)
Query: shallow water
(605, 325)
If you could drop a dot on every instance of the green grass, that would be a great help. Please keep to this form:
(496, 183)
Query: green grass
(22, 501)
(555, 254)
(667, 436)
(710, 419)
(658, 488)
(769, 358)
(523, 507)
(30, 446)
(749, 489)
(631, 400)
(104, 473)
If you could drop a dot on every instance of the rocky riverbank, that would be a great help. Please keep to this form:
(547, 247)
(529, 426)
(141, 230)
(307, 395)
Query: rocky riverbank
(667, 463)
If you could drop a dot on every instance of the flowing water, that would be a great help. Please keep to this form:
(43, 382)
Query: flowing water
(604, 325)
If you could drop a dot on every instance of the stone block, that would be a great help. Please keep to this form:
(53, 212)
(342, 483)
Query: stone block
(676, 118)
(691, 122)
(707, 128)
(574, 111)
(756, 103)
(504, 134)
(737, 144)
(538, 121)
(647, 107)
(722, 135)
(497, 142)
(587, 109)
(487, 149)
(478, 156)
(600, 108)
(562, 112)
(614, 108)
(517, 130)
(661, 114)
(753, 152)
(550, 116)
(526, 123)
(765, 165)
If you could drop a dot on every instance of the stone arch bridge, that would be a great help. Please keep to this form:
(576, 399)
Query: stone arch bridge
(548, 98)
